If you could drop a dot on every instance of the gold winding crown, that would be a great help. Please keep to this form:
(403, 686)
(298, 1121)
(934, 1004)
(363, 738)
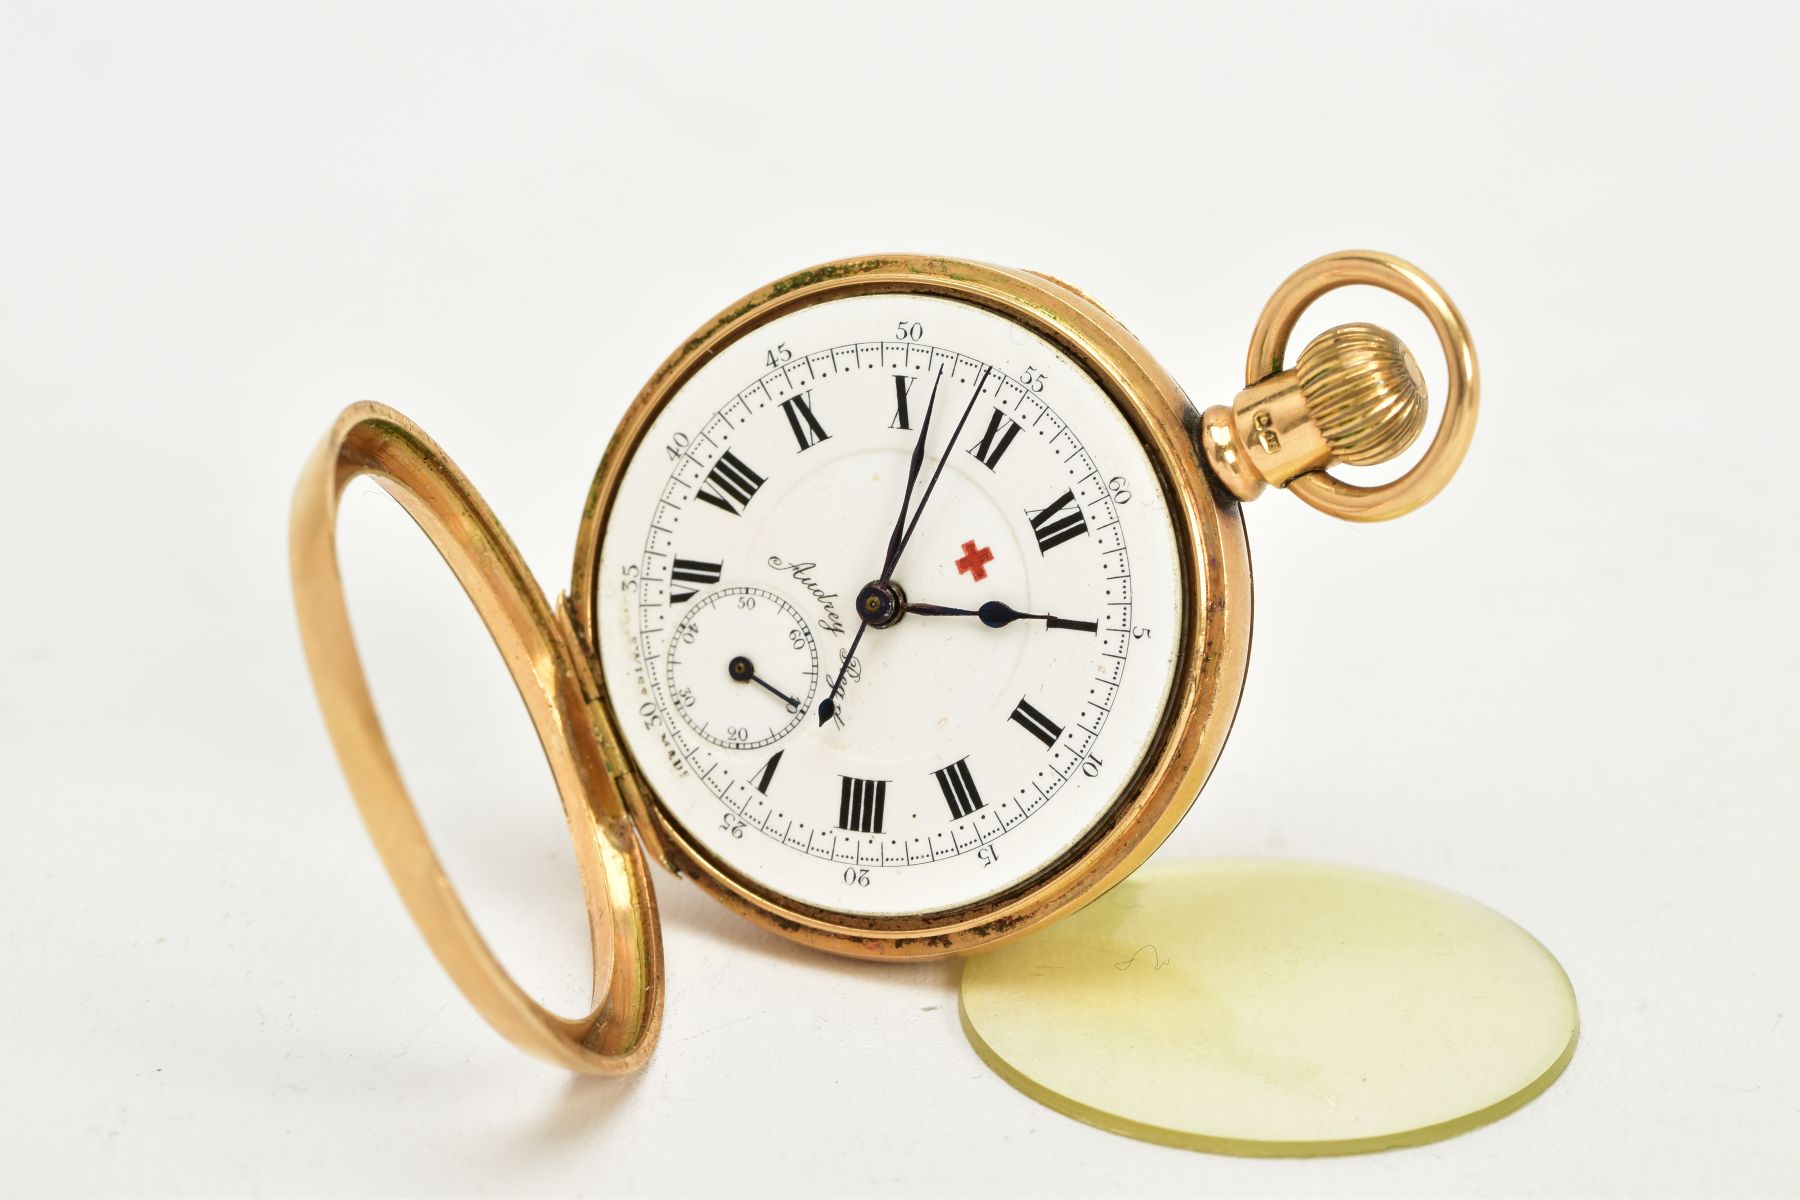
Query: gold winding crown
(1364, 392)
(1355, 396)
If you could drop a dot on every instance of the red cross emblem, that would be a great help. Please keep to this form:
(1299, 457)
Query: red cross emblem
(974, 561)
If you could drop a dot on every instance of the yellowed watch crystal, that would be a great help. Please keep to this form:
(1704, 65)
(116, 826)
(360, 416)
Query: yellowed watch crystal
(1275, 1008)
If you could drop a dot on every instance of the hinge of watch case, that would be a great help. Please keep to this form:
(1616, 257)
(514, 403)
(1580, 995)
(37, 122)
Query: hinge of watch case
(618, 766)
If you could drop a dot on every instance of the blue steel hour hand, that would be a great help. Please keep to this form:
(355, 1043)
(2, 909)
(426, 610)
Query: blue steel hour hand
(996, 614)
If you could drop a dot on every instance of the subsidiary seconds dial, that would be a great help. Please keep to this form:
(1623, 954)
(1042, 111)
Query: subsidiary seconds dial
(742, 666)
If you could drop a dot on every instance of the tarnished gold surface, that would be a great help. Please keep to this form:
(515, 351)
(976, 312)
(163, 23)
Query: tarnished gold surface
(1215, 622)
(1364, 393)
(618, 1035)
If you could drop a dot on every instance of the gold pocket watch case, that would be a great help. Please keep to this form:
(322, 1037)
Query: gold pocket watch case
(882, 736)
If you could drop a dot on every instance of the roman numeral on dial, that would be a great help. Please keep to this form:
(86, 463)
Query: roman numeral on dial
(959, 789)
(862, 804)
(763, 778)
(903, 385)
(807, 430)
(1036, 723)
(1001, 430)
(1057, 523)
(693, 572)
(731, 484)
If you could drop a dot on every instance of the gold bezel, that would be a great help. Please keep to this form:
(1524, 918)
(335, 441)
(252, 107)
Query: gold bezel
(1212, 656)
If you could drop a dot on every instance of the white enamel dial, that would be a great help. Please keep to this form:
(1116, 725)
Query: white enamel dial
(974, 740)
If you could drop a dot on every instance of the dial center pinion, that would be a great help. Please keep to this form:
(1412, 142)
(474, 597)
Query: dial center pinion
(881, 604)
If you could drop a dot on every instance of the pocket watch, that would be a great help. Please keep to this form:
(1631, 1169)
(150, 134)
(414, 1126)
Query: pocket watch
(910, 610)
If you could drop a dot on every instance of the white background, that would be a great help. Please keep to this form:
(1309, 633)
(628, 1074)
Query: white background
(1565, 689)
